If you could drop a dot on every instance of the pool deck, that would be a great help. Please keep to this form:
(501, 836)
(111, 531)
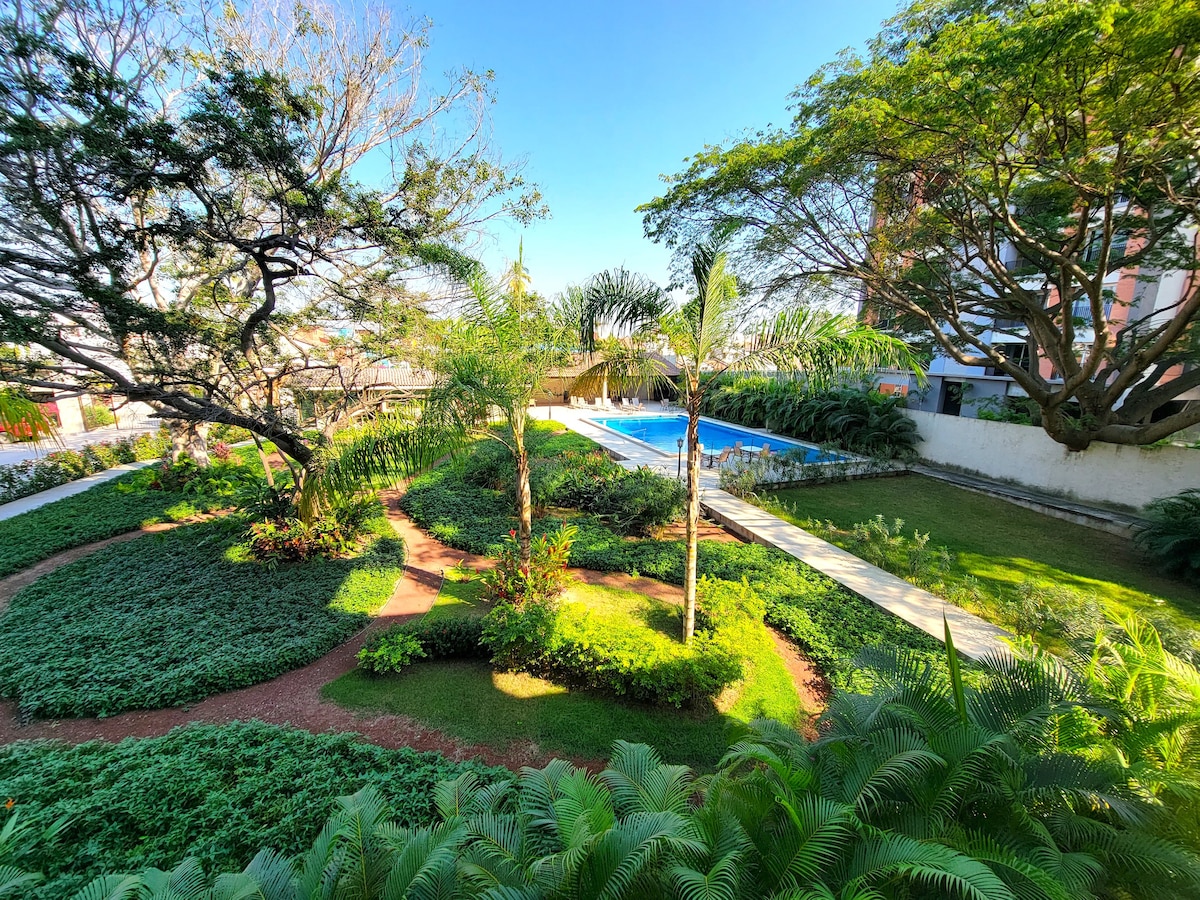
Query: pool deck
(973, 637)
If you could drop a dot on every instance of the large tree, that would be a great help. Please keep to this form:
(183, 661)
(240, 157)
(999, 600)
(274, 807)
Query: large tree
(984, 171)
(715, 331)
(179, 205)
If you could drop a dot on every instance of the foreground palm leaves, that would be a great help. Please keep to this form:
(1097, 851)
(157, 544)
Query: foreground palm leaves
(926, 788)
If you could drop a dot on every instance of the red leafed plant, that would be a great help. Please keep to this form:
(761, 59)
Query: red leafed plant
(544, 578)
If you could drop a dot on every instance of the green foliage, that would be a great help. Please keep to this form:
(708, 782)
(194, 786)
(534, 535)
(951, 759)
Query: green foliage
(62, 466)
(216, 792)
(112, 508)
(392, 652)
(829, 623)
(542, 579)
(288, 539)
(928, 787)
(131, 628)
(860, 421)
(1171, 535)
(392, 649)
(96, 415)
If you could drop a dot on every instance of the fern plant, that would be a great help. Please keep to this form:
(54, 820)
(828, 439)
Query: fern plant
(1171, 534)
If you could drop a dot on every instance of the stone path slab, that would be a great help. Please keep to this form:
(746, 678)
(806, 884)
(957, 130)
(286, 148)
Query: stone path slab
(973, 637)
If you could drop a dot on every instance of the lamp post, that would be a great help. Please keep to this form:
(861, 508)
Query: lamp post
(678, 456)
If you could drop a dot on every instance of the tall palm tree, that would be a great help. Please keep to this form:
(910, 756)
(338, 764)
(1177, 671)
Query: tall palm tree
(702, 332)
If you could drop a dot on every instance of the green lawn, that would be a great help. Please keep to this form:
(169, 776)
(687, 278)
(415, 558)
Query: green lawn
(172, 618)
(475, 703)
(1002, 544)
(108, 509)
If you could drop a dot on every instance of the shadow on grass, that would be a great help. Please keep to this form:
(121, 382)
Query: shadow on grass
(476, 704)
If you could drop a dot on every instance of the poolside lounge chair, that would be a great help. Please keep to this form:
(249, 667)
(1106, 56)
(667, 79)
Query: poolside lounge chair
(765, 451)
(636, 404)
(719, 460)
(737, 449)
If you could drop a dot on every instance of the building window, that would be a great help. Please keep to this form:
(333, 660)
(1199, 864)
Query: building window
(1082, 309)
(1091, 253)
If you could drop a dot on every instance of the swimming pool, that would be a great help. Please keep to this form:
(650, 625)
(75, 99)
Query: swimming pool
(663, 432)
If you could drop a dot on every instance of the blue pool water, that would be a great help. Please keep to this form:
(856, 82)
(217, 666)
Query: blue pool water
(663, 432)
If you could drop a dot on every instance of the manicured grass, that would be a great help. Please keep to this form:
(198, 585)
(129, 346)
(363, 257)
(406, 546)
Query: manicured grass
(172, 618)
(475, 703)
(105, 510)
(220, 793)
(1002, 544)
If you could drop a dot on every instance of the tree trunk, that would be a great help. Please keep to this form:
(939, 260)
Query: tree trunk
(524, 497)
(693, 516)
(190, 439)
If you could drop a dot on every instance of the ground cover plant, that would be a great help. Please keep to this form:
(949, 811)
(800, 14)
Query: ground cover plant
(62, 466)
(216, 792)
(1011, 560)
(451, 687)
(829, 624)
(131, 627)
(121, 505)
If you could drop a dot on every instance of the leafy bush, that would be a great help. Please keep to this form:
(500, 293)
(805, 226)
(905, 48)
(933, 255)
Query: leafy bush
(1171, 534)
(385, 651)
(393, 653)
(32, 476)
(542, 580)
(216, 792)
(578, 647)
(856, 420)
(130, 627)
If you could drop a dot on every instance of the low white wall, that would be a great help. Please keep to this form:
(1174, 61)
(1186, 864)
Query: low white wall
(1104, 473)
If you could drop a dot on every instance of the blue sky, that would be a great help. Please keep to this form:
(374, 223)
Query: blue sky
(602, 98)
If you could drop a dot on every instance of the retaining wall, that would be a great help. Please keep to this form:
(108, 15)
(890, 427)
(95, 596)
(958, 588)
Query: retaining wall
(1104, 473)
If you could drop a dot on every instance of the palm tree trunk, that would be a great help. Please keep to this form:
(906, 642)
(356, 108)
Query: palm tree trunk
(524, 497)
(693, 516)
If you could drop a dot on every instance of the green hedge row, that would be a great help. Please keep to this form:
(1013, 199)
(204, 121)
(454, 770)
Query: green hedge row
(216, 792)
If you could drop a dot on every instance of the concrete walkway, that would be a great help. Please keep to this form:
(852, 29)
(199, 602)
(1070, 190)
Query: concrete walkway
(973, 636)
(70, 489)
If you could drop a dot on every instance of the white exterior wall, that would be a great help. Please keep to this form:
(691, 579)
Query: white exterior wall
(1104, 473)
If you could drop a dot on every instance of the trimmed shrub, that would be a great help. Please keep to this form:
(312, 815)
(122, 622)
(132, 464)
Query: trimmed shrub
(394, 649)
(580, 648)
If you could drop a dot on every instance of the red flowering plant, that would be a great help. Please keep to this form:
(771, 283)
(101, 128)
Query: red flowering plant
(543, 579)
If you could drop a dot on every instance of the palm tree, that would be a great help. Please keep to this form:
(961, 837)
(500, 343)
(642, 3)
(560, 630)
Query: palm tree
(18, 412)
(702, 333)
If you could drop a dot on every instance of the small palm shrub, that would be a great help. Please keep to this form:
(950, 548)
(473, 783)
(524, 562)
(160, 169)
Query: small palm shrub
(1171, 534)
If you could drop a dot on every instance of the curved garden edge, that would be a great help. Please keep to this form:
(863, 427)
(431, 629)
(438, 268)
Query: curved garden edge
(295, 697)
